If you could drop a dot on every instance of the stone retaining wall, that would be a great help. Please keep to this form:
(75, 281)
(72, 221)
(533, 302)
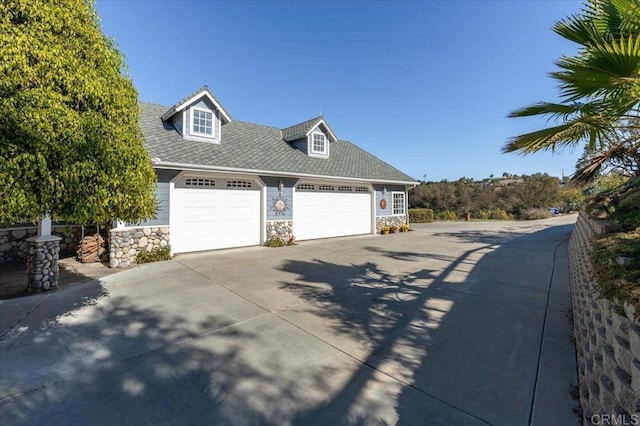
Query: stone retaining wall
(14, 246)
(125, 244)
(388, 221)
(607, 337)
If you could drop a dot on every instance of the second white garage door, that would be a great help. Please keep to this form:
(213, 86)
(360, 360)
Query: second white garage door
(328, 210)
(213, 213)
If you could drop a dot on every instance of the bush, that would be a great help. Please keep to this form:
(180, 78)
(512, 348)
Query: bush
(617, 282)
(534, 214)
(447, 215)
(153, 255)
(420, 215)
(279, 241)
(494, 214)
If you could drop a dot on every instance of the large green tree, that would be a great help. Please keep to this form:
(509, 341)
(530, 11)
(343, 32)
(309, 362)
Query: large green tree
(70, 142)
(599, 85)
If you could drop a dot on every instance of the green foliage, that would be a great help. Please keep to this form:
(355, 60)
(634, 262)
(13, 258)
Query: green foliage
(496, 199)
(571, 199)
(619, 280)
(420, 215)
(277, 241)
(447, 215)
(70, 142)
(616, 281)
(599, 86)
(535, 213)
(494, 214)
(154, 255)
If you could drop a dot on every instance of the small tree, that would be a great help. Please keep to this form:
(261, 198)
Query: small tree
(70, 142)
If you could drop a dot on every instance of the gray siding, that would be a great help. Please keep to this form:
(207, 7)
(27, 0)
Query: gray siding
(177, 122)
(162, 196)
(272, 194)
(302, 145)
(379, 196)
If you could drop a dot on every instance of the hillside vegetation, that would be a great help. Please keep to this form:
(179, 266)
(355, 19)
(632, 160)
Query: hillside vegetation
(509, 197)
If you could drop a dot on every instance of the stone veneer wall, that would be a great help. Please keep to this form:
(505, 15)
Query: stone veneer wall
(607, 343)
(14, 245)
(389, 220)
(42, 264)
(280, 228)
(125, 244)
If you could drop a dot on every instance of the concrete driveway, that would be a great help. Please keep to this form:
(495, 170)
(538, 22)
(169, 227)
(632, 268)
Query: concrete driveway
(452, 324)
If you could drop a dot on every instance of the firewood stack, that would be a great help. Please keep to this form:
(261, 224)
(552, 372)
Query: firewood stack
(91, 249)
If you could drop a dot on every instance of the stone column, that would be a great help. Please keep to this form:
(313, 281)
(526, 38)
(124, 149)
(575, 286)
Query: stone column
(42, 264)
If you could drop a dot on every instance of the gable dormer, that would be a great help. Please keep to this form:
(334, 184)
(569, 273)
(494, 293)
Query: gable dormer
(199, 116)
(313, 137)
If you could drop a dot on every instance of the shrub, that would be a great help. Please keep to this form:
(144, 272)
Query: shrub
(615, 281)
(447, 215)
(534, 214)
(404, 228)
(153, 255)
(494, 214)
(393, 229)
(385, 230)
(279, 241)
(275, 242)
(420, 215)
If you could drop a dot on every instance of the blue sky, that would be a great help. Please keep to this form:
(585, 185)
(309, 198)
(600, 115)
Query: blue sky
(426, 86)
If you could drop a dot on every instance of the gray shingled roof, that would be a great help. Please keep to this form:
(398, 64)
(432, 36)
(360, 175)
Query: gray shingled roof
(250, 146)
(299, 131)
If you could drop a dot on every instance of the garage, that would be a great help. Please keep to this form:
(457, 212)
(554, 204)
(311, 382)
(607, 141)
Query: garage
(211, 213)
(323, 210)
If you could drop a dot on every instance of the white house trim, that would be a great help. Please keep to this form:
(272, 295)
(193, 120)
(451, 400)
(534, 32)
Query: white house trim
(206, 94)
(326, 126)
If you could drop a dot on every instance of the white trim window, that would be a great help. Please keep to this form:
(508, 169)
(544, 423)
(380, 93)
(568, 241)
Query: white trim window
(397, 201)
(202, 122)
(319, 144)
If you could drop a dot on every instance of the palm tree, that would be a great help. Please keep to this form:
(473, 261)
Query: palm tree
(599, 86)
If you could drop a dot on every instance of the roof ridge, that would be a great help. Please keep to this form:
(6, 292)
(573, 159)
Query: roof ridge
(256, 124)
(320, 117)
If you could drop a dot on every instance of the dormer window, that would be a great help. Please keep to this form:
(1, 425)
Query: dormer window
(202, 122)
(319, 144)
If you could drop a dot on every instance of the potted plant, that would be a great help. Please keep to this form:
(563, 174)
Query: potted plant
(385, 230)
(393, 229)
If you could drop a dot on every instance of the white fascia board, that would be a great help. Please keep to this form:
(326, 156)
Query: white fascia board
(326, 127)
(211, 98)
(255, 172)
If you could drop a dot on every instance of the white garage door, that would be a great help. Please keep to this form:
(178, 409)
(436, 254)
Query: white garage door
(328, 210)
(212, 213)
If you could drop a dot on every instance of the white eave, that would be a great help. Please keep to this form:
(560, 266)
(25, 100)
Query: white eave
(204, 93)
(332, 137)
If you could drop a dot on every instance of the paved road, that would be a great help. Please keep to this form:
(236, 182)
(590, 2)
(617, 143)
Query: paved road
(452, 324)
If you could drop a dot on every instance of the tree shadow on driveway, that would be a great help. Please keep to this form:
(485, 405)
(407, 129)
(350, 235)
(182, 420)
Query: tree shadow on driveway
(108, 359)
(434, 346)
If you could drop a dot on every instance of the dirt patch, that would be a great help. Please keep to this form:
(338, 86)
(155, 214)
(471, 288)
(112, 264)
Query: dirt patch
(13, 276)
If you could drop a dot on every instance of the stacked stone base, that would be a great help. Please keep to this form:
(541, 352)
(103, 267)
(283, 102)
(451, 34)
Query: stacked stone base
(282, 229)
(125, 244)
(381, 221)
(607, 337)
(43, 270)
